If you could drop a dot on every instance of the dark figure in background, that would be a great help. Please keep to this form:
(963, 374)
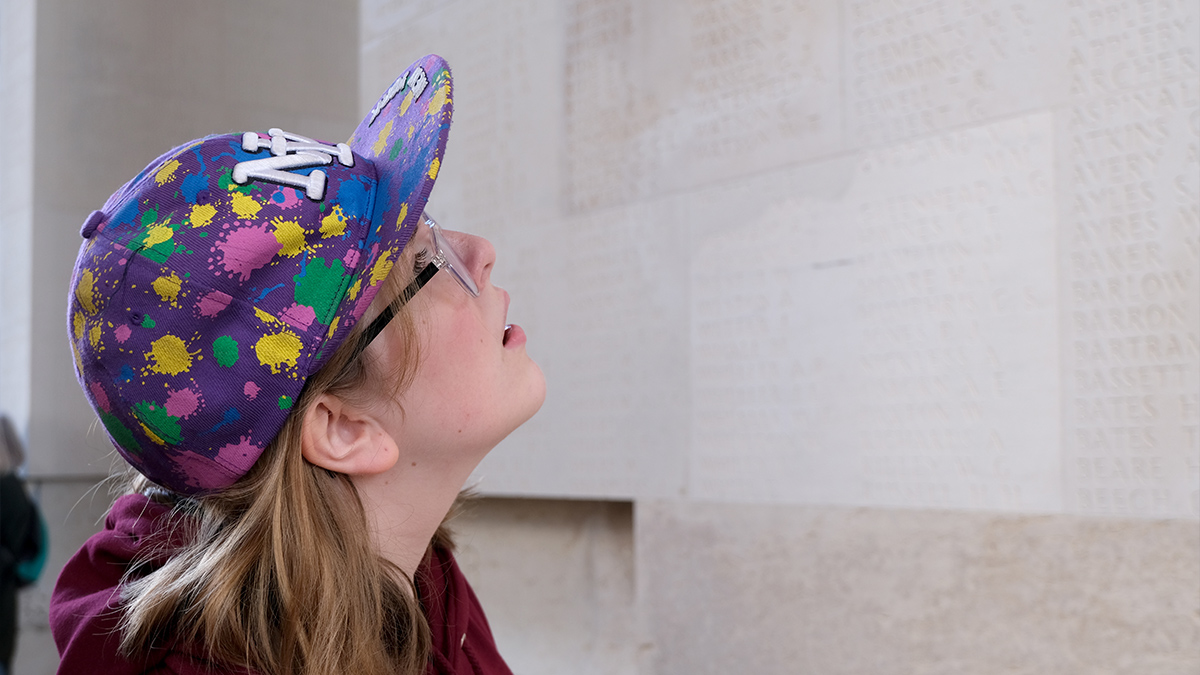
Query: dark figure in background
(15, 521)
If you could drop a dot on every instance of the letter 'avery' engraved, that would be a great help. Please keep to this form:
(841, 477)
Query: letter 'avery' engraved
(290, 151)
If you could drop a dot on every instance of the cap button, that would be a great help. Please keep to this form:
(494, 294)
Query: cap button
(89, 226)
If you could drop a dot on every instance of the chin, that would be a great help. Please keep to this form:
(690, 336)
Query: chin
(537, 394)
(513, 406)
(528, 401)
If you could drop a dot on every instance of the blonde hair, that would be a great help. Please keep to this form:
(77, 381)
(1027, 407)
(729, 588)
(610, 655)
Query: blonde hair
(279, 572)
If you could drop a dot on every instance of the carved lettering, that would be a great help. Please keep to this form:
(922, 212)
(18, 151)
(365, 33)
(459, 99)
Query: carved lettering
(1117, 439)
(918, 68)
(1131, 292)
(1141, 501)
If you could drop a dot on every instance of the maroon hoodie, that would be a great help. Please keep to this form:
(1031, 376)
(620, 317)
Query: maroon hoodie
(84, 614)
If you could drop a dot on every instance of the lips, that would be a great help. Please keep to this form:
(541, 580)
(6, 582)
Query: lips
(513, 336)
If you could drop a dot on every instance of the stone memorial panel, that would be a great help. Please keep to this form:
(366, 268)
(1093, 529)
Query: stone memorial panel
(942, 254)
(669, 95)
(896, 347)
(915, 67)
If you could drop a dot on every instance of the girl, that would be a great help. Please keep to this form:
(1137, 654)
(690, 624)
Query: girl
(304, 368)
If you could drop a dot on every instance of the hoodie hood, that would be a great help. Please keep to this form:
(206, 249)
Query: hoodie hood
(138, 537)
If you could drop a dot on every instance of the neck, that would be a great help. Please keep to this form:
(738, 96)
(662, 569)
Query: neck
(405, 506)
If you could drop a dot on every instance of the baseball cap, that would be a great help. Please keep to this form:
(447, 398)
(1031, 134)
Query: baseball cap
(212, 285)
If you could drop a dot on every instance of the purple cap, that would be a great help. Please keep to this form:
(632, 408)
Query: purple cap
(212, 285)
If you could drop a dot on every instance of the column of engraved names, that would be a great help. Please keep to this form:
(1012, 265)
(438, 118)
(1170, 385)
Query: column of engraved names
(751, 399)
(1133, 296)
(601, 108)
(942, 406)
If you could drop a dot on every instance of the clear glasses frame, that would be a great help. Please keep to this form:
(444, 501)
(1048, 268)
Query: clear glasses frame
(444, 258)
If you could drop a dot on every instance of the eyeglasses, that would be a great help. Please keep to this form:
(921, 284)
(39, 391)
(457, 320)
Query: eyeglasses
(443, 257)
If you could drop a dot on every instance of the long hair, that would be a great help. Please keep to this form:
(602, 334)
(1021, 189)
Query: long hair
(279, 572)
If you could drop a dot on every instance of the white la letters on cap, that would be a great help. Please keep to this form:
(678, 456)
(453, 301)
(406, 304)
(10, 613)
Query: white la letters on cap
(290, 151)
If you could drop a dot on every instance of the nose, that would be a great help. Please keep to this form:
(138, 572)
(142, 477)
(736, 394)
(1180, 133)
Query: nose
(477, 252)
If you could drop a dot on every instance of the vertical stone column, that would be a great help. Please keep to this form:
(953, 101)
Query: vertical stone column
(17, 43)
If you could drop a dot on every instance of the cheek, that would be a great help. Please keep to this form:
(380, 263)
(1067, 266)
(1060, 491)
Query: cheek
(458, 347)
(458, 368)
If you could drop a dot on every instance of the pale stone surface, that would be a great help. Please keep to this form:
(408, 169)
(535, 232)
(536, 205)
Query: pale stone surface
(675, 94)
(36, 654)
(609, 286)
(17, 22)
(1118, 45)
(893, 346)
(916, 67)
(794, 589)
(556, 581)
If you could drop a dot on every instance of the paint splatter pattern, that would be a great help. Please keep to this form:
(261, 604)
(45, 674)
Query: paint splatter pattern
(199, 306)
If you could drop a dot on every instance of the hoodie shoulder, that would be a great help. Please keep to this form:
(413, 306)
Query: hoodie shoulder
(85, 606)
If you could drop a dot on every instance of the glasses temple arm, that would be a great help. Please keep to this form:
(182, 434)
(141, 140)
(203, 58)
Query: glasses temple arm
(385, 317)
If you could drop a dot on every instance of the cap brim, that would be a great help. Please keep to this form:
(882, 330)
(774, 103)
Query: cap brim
(404, 135)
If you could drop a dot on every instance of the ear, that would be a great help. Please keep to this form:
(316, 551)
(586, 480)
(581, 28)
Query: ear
(341, 438)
